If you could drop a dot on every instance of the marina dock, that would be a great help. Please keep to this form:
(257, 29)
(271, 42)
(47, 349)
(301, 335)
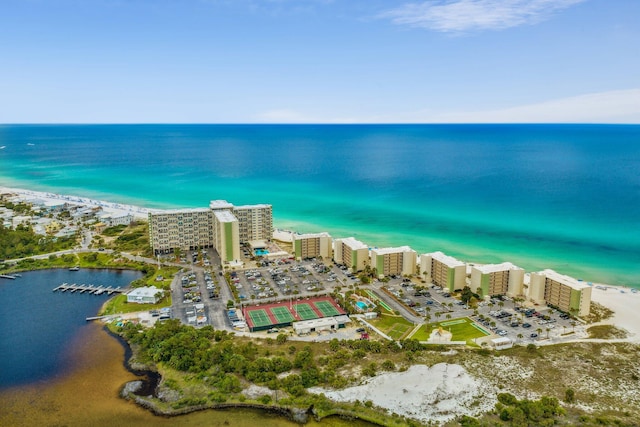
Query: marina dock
(7, 276)
(92, 289)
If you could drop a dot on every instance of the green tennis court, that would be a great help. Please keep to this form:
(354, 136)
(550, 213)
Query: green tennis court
(326, 308)
(282, 314)
(305, 311)
(259, 317)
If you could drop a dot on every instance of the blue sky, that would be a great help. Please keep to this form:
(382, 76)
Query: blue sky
(340, 61)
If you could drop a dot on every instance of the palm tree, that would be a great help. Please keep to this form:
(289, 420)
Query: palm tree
(520, 336)
(501, 304)
(448, 317)
(539, 331)
(548, 330)
(438, 314)
(573, 325)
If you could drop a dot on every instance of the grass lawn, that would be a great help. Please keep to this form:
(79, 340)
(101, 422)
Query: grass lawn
(119, 304)
(461, 329)
(394, 326)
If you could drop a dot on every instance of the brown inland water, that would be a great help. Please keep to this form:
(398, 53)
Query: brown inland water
(88, 396)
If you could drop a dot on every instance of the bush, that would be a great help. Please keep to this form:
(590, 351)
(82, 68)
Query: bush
(266, 399)
(569, 395)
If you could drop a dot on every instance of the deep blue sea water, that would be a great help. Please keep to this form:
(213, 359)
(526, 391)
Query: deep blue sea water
(37, 325)
(542, 196)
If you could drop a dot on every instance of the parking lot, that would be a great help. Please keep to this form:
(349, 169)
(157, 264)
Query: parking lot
(201, 292)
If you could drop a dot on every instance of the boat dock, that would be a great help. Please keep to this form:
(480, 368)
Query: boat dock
(7, 276)
(92, 289)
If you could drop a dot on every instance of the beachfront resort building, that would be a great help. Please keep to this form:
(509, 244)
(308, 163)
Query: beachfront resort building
(443, 270)
(184, 229)
(221, 226)
(226, 236)
(312, 246)
(497, 279)
(392, 261)
(566, 293)
(255, 222)
(351, 252)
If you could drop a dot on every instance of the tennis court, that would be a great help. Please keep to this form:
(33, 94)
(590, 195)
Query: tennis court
(282, 314)
(326, 308)
(305, 311)
(259, 318)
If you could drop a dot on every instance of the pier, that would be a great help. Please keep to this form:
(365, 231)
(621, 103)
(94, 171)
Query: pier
(92, 289)
(7, 276)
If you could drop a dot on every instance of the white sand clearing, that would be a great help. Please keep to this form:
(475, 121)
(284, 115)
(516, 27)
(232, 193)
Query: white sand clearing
(436, 394)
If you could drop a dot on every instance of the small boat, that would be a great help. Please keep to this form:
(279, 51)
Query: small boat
(76, 268)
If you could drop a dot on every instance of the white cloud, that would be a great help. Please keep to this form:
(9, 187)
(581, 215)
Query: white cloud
(285, 115)
(473, 15)
(620, 106)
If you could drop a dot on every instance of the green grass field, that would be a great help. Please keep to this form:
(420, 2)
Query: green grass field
(394, 326)
(461, 329)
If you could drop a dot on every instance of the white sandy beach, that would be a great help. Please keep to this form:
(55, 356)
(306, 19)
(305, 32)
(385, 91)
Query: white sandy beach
(109, 207)
(624, 303)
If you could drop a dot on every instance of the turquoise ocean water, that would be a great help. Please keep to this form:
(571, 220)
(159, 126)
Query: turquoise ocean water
(565, 197)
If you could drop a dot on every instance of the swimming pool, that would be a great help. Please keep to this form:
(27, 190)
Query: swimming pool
(362, 305)
(261, 252)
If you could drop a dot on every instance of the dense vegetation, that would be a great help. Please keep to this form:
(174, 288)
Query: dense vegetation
(23, 242)
(133, 238)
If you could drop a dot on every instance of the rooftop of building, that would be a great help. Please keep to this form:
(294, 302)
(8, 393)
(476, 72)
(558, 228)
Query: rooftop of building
(178, 211)
(220, 204)
(225, 216)
(310, 235)
(384, 251)
(565, 280)
(446, 259)
(249, 207)
(493, 268)
(353, 243)
(145, 291)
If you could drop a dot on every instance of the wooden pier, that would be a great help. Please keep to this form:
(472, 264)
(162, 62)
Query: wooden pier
(91, 289)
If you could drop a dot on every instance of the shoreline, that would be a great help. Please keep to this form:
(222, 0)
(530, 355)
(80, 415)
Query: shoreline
(139, 212)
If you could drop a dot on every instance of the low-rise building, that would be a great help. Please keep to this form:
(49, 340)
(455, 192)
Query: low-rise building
(144, 295)
(115, 219)
(351, 252)
(497, 279)
(391, 261)
(566, 293)
(443, 270)
(501, 343)
(312, 245)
